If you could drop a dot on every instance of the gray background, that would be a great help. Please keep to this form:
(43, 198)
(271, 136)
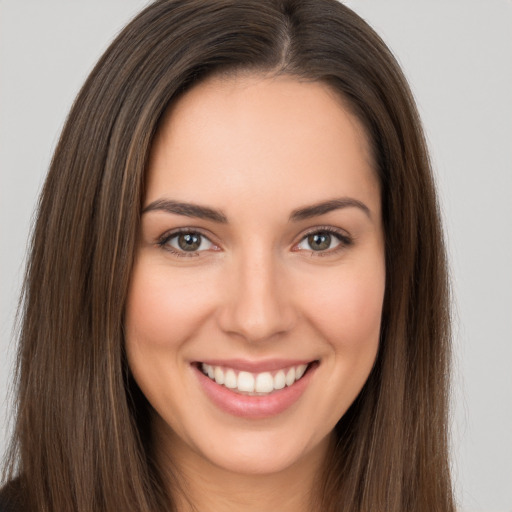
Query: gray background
(457, 55)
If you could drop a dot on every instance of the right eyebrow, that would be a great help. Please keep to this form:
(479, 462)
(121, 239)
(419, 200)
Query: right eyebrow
(324, 207)
(186, 209)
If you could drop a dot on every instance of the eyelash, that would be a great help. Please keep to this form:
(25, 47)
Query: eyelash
(344, 239)
(166, 237)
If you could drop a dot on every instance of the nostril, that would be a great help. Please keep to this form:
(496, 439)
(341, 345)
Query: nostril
(256, 323)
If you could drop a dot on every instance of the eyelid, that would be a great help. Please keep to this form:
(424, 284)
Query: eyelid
(345, 239)
(343, 236)
(162, 241)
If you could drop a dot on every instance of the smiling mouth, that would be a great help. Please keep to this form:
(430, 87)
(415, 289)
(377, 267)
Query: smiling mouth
(255, 384)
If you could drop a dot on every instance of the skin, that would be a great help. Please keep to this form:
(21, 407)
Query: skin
(256, 148)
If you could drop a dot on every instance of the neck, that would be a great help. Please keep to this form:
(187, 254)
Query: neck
(198, 485)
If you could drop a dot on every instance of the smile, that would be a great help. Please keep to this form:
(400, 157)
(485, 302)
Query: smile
(254, 384)
(252, 390)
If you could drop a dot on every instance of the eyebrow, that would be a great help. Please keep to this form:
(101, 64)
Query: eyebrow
(204, 212)
(186, 209)
(328, 206)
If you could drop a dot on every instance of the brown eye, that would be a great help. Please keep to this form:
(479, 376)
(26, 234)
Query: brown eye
(324, 241)
(319, 241)
(189, 241)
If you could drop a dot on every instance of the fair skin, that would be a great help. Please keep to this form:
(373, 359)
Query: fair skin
(283, 267)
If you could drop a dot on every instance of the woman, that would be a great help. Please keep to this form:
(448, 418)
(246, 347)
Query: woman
(237, 295)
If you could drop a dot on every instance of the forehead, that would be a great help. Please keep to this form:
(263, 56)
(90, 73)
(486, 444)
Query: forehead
(247, 134)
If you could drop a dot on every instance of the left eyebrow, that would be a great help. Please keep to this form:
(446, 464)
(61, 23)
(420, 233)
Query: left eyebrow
(328, 206)
(187, 210)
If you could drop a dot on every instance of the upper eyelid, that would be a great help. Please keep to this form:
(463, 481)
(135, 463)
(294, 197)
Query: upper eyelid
(163, 242)
(178, 231)
(330, 229)
(345, 241)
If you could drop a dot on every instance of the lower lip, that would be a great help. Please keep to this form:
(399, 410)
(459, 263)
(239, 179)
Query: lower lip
(254, 407)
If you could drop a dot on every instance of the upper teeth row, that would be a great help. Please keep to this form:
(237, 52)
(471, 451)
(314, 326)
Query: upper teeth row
(248, 382)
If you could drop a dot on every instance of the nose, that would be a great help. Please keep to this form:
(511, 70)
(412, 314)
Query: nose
(258, 304)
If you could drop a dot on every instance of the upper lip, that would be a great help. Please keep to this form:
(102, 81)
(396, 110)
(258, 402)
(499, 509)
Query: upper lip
(267, 365)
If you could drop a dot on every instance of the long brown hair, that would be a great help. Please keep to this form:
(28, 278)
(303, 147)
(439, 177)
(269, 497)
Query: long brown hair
(81, 440)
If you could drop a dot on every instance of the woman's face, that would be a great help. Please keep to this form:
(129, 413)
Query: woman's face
(261, 255)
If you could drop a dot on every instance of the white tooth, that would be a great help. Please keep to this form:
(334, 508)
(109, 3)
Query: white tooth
(299, 372)
(219, 375)
(279, 380)
(290, 377)
(209, 370)
(245, 382)
(230, 379)
(264, 383)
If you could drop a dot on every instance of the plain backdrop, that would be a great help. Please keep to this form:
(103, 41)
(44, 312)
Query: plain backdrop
(457, 55)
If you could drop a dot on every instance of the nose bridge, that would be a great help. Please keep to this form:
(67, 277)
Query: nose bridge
(258, 306)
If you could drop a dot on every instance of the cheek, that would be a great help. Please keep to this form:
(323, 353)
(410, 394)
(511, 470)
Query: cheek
(163, 307)
(347, 309)
(347, 314)
(164, 310)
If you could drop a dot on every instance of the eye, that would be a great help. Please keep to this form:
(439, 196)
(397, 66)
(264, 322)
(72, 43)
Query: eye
(190, 242)
(323, 240)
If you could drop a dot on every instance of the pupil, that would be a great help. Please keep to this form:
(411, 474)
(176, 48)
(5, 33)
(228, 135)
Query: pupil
(189, 241)
(319, 241)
